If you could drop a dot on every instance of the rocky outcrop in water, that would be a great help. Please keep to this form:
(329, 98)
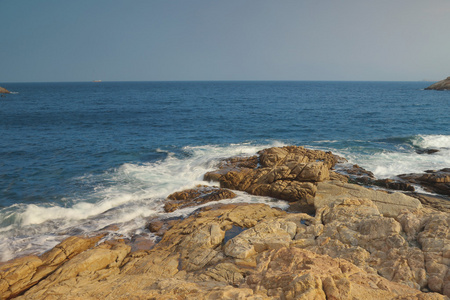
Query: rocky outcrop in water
(358, 243)
(432, 180)
(440, 85)
(287, 173)
(4, 91)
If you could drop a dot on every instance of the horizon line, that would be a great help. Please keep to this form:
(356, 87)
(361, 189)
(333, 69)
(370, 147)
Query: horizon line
(221, 80)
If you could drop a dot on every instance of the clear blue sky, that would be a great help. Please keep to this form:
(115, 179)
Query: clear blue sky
(81, 40)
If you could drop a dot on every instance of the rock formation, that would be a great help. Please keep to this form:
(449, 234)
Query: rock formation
(440, 85)
(287, 173)
(357, 244)
(432, 181)
(4, 91)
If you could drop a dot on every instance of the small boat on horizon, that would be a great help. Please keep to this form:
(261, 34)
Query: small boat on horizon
(96, 81)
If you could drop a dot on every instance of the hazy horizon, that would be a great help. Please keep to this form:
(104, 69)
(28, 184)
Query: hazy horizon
(349, 40)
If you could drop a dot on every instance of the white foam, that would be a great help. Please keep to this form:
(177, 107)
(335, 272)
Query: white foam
(435, 141)
(388, 164)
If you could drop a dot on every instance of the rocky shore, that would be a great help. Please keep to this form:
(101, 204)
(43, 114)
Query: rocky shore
(337, 240)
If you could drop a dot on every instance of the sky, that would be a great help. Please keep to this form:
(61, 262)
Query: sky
(165, 40)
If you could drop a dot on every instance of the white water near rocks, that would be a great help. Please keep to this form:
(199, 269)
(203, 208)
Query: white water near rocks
(405, 160)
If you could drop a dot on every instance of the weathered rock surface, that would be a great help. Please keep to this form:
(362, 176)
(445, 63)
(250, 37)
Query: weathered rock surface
(440, 85)
(22, 273)
(439, 203)
(252, 251)
(432, 181)
(389, 204)
(197, 196)
(4, 91)
(288, 173)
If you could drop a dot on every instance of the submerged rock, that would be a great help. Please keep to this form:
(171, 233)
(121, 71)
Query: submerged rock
(426, 151)
(440, 85)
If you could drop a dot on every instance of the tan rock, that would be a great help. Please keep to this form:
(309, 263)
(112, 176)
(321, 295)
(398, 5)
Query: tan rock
(20, 274)
(388, 204)
(192, 261)
(287, 173)
(291, 273)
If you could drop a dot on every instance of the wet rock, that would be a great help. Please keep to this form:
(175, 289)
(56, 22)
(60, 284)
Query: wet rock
(432, 181)
(357, 174)
(394, 185)
(356, 171)
(195, 197)
(426, 151)
(159, 226)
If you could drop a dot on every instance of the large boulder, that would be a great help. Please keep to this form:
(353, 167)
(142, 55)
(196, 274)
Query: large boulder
(440, 85)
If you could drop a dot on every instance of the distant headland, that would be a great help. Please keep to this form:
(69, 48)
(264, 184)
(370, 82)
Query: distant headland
(440, 85)
(4, 91)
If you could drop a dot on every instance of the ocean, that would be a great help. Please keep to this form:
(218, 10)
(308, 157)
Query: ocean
(78, 157)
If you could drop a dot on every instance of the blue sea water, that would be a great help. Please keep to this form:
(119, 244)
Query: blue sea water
(76, 157)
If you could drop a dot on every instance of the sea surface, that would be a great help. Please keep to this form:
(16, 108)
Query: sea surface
(77, 157)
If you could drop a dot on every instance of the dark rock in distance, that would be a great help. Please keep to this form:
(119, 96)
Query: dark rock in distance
(426, 151)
